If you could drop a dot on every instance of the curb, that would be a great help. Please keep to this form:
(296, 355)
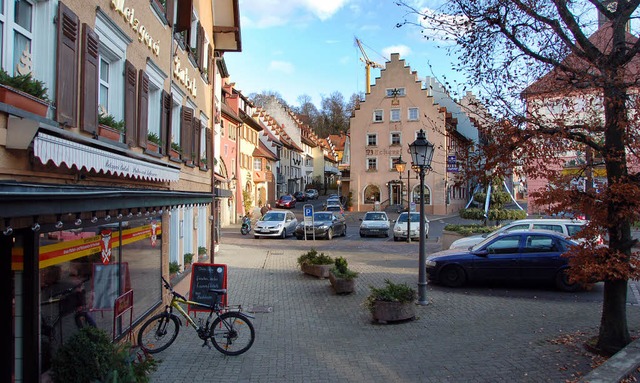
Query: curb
(616, 368)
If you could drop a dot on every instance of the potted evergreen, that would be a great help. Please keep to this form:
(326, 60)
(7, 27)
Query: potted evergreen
(188, 259)
(176, 150)
(109, 127)
(315, 264)
(343, 279)
(24, 92)
(391, 303)
(153, 142)
(174, 268)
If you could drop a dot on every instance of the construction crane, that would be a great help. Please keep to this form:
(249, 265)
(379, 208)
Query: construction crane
(368, 64)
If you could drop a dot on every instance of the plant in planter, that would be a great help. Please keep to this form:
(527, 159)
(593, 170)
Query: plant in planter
(153, 141)
(391, 303)
(24, 92)
(315, 264)
(341, 277)
(349, 203)
(202, 251)
(90, 356)
(109, 127)
(174, 268)
(188, 258)
(176, 150)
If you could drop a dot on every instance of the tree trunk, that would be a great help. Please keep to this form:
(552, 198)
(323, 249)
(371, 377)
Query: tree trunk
(614, 334)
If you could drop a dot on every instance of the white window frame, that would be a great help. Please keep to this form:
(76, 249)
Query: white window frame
(394, 115)
(193, 30)
(410, 112)
(401, 92)
(398, 134)
(113, 49)
(392, 162)
(156, 84)
(378, 115)
(371, 160)
(8, 39)
(176, 115)
(257, 164)
(373, 136)
(203, 135)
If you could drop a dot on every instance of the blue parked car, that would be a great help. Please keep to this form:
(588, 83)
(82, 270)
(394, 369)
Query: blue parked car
(521, 255)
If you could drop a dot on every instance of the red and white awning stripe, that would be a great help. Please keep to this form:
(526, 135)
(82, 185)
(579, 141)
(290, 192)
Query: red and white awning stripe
(58, 150)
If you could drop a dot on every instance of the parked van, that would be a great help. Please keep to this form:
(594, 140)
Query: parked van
(565, 226)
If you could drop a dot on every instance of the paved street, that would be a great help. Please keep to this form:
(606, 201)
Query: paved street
(500, 333)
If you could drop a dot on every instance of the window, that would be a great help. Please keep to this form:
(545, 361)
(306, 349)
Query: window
(396, 92)
(378, 115)
(556, 228)
(372, 139)
(372, 164)
(396, 138)
(395, 115)
(539, 244)
(257, 164)
(112, 51)
(393, 163)
(16, 31)
(156, 81)
(505, 245)
(413, 114)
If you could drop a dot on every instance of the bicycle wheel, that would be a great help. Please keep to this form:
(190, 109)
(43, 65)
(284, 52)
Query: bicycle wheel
(158, 333)
(232, 333)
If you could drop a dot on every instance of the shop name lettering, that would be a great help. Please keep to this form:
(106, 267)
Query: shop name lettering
(131, 169)
(182, 74)
(129, 16)
(383, 152)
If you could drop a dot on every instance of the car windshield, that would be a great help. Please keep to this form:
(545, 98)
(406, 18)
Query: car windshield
(323, 217)
(375, 217)
(285, 198)
(271, 217)
(333, 207)
(415, 217)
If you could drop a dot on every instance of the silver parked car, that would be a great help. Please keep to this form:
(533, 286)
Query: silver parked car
(276, 223)
(375, 223)
(400, 226)
(567, 227)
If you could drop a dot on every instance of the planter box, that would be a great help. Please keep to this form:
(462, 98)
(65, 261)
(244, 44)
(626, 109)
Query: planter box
(342, 286)
(385, 312)
(320, 271)
(22, 100)
(109, 133)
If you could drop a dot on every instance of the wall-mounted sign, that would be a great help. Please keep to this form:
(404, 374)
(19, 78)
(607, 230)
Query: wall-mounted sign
(129, 16)
(182, 75)
(452, 164)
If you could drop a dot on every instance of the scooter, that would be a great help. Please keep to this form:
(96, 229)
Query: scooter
(246, 225)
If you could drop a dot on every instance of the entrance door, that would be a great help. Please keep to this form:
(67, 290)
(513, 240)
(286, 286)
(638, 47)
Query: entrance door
(395, 194)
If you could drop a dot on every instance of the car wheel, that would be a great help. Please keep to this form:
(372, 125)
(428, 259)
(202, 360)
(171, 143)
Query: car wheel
(344, 232)
(562, 282)
(283, 235)
(329, 234)
(256, 237)
(362, 235)
(452, 276)
(395, 239)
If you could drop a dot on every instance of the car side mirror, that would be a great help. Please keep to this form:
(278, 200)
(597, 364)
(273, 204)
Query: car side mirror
(481, 253)
(360, 219)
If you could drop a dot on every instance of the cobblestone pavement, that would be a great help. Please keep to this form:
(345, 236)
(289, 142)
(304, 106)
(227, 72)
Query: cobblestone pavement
(474, 334)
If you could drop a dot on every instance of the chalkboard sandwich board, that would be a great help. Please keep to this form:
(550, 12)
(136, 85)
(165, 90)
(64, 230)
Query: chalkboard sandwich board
(204, 277)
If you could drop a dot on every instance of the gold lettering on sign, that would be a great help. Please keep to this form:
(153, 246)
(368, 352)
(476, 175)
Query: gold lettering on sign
(129, 16)
(183, 76)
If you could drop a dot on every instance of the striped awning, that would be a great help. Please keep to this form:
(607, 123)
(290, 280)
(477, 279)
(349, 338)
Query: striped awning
(59, 150)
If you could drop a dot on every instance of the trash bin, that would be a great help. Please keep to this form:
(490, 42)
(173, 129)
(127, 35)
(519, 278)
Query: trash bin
(376, 206)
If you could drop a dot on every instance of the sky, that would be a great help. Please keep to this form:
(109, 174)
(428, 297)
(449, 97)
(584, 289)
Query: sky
(297, 47)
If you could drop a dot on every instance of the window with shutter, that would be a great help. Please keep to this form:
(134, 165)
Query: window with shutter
(197, 128)
(130, 103)
(67, 66)
(165, 122)
(89, 80)
(209, 148)
(183, 16)
(186, 133)
(143, 108)
(170, 11)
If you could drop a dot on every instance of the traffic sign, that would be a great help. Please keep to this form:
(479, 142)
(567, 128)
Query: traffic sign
(308, 214)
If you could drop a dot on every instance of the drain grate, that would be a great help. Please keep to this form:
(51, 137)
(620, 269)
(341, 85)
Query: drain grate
(260, 309)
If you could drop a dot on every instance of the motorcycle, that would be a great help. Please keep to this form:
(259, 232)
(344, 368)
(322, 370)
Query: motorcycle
(246, 225)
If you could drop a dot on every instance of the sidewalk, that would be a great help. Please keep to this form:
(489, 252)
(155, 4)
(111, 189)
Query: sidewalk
(307, 333)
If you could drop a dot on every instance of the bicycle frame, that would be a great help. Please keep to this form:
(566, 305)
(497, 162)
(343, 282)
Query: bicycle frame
(176, 302)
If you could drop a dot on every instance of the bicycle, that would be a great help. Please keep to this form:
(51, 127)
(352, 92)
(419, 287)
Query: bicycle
(231, 332)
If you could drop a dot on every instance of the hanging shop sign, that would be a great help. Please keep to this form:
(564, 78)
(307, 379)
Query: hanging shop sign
(452, 164)
(182, 75)
(129, 16)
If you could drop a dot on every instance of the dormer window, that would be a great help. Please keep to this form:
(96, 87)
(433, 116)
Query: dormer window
(396, 92)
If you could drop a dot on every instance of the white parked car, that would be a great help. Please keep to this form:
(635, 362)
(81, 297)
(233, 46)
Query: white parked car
(276, 223)
(400, 226)
(375, 223)
(567, 227)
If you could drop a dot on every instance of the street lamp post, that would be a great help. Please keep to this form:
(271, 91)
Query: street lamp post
(400, 166)
(421, 155)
